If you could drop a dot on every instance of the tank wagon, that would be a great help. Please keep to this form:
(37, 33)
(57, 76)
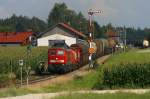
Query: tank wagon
(64, 59)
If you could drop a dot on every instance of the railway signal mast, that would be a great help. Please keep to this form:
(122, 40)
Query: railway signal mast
(93, 47)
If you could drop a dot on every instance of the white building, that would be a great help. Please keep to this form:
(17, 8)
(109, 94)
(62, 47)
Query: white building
(60, 32)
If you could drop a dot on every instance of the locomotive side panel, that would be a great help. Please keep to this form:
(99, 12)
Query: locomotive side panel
(83, 52)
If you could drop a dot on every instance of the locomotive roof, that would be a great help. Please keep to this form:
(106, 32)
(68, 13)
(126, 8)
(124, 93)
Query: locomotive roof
(60, 45)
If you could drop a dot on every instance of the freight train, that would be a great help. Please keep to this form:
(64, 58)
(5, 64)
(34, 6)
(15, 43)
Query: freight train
(62, 59)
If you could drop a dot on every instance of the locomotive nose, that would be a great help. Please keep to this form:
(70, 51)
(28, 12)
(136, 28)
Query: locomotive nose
(57, 56)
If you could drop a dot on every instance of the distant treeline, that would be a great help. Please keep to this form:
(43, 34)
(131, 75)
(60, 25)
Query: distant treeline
(134, 36)
(61, 13)
(21, 24)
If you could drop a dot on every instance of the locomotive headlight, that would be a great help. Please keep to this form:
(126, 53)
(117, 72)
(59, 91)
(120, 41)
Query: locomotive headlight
(59, 61)
(60, 52)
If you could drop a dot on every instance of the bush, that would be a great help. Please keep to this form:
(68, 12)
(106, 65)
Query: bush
(4, 80)
(130, 75)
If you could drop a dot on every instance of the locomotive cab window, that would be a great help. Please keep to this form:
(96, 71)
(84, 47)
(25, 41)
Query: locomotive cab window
(52, 52)
(60, 52)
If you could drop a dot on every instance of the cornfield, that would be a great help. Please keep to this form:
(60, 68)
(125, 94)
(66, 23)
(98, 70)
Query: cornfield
(126, 70)
(10, 56)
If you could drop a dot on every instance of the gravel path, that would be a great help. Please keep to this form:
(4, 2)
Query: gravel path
(52, 95)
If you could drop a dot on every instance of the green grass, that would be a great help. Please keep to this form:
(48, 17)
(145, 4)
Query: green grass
(79, 83)
(19, 52)
(105, 96)
(129, 57)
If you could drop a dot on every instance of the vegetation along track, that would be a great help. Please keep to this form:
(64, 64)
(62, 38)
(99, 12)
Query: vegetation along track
(70, 75)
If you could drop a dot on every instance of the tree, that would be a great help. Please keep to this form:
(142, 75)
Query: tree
(147, 33)
(20, 27)
(37, 25)
(82, 26)
(61, 13)
(21, 24)
(57, 14)
(98, 31)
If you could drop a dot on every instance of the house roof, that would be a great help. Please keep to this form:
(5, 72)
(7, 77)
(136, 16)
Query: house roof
(72, 29)
(68, 27)
(13, 37)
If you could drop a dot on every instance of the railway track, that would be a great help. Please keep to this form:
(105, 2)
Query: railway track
(35, 80)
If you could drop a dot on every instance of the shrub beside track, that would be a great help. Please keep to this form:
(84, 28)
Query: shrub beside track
(125, 70)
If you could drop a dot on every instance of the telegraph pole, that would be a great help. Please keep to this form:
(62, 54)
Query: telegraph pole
(92, 48)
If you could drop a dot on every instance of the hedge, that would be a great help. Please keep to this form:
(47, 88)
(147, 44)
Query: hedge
(129, 75)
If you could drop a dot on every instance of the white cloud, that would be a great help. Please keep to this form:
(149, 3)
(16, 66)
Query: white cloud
(3, 13)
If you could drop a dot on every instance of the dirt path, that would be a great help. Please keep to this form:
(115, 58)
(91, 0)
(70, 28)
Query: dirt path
(52, 95)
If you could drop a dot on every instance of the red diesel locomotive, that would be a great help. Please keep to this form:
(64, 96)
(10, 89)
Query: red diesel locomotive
(60, 59)
(64, 59)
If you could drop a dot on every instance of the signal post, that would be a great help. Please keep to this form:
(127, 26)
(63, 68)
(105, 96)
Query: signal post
(92, 44)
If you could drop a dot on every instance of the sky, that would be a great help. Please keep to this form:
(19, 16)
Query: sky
(130, 13)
